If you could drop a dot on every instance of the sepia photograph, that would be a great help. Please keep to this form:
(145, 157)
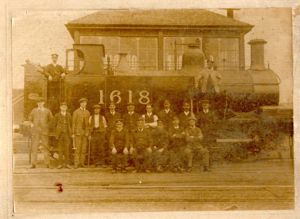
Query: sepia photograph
(152, 110)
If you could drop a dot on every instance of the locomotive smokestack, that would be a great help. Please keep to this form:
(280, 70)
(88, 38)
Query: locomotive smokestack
(257, 54)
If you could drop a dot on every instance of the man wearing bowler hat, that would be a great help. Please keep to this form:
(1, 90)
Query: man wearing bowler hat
(63, 132)
(98, 127)
(194, 147)
(40, 118)
(80, 133)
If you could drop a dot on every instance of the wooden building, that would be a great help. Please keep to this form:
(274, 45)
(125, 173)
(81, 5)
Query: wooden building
(149, 37)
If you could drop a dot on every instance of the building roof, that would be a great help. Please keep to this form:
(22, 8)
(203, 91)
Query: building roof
(184, 18)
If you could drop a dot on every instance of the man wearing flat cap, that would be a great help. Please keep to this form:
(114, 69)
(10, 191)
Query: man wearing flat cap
(160, 143)
(54, 73)
(176, 146)
(40, 118)
(63, 131)
(80, 133)
(141, 147)
(194, 146)
(98, 126)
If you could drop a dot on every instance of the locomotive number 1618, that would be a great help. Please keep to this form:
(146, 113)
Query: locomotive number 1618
(116, 96)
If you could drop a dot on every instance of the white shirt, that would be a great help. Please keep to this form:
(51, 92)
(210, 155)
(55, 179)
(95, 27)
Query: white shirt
(63, 113)
(205, 111)
(112, 112)
(186, 113)
(96, 119)
(151, 124)
(167, 111)
(41, 108)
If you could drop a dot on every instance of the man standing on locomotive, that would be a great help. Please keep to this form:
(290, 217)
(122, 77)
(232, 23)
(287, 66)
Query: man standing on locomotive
(80, 130)
(194, 147)
(209, 79)
(55, 73)
(63, 131)
(166, 115)
(98, 126)
(118, 142)
(160, 144)
(40, 118)
(141, 147)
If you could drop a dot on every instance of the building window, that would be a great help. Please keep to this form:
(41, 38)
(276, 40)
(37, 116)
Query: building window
(225, 52)
(141, 51)
(170, 52)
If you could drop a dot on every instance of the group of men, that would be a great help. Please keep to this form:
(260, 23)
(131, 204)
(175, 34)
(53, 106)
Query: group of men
(142, 143)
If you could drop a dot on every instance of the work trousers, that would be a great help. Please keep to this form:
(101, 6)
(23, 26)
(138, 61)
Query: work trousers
(119, 160)
(98, 148)
(142, 159)
(176, 156)
(37, 140)
(80, 151)
(160, 158)
(192, 151)
(63, 144)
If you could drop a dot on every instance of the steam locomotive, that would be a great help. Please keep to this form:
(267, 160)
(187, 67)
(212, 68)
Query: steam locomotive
(158, 58)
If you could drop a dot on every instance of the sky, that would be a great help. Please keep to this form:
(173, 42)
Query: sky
(37, 34)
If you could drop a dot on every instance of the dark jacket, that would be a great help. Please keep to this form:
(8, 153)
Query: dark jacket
(62, 124)
(141, 139)
(160, 138)
(54, 71)
(166, 118)
(119, 139)
(184, 120)
(177, 137)
(111, 119)
(130, 121)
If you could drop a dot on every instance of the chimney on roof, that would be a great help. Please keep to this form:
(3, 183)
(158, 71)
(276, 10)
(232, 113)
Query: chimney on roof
(230, 12)
(257, 54)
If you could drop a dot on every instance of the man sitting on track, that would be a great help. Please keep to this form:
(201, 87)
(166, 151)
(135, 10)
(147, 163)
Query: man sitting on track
(119, 147)
(160, 145)
(141, 147)
(176, 146)
(194, 147)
